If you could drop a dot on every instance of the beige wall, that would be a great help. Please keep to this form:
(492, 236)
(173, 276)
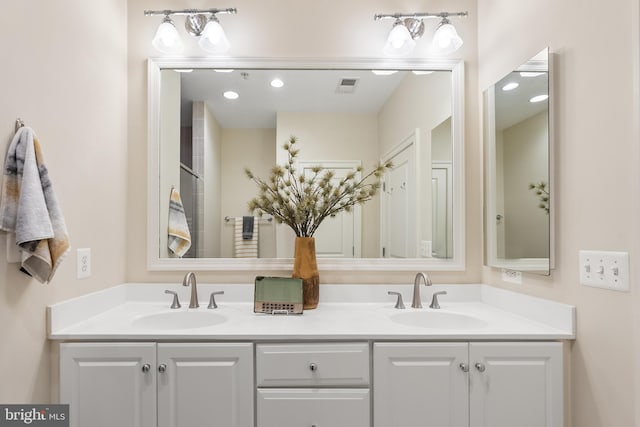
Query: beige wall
(169, 150)
(412, 110)
(329, 137)
(597, 177)
(64, 71)
(525, 161)
(282, 34)
(210, 213)
(245, 148)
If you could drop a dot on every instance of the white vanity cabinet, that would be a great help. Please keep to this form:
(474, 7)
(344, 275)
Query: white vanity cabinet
(158, 384)
(468, 384)
(314, 384)
(109, 384)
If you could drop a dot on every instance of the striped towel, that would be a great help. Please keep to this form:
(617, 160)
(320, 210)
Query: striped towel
(29, 208)
(244, 248)
(179, 237)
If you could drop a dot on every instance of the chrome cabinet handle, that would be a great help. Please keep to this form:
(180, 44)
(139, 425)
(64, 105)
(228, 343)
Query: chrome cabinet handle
(162, 368)
(313, 366)
(146, 368)
(464, 367)
(480, 367)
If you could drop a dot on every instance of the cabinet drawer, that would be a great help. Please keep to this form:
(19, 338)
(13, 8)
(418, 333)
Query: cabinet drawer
(313, 407)
(310, 365)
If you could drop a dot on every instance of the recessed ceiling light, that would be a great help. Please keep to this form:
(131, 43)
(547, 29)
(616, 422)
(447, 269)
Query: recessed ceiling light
(231, 94)
(277, 83)
(510, 86)
(184, 70)
(531, 73)
(224, 70)
(384, 72)
(422, 72)
(539, 98)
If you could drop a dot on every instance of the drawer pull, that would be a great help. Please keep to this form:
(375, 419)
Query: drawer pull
(314, 367)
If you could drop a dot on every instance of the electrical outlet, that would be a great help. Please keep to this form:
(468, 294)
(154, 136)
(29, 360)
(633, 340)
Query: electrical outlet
(607, 270)
(84, 262)
(512, 276)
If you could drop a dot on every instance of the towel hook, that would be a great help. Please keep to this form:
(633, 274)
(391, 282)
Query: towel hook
(19, 124)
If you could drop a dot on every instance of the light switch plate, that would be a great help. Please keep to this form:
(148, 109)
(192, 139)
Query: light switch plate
(607, 270)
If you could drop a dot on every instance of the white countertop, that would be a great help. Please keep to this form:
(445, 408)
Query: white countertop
(345, 312)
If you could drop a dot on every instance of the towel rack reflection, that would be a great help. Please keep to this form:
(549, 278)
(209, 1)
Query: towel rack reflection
(263, 220)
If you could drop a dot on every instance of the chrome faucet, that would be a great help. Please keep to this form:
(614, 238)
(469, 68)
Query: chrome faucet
(190, 279)
(416, 303)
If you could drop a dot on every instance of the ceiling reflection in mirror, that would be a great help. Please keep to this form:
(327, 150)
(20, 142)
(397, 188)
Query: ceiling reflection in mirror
(214, 123)
(518, 220)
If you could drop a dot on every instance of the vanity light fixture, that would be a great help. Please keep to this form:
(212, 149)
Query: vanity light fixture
(202, 23)
(409, 27)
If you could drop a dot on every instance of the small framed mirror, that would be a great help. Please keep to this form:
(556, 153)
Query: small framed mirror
(518, 172)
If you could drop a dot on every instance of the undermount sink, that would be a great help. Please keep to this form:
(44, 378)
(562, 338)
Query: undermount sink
(178, 320)
(438, 320)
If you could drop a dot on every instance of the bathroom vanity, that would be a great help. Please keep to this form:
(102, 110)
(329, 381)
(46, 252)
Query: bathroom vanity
(488, 357)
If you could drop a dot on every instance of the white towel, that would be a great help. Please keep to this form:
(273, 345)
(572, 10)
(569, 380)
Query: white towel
(29, 208)
(245, 248)
(179, 237)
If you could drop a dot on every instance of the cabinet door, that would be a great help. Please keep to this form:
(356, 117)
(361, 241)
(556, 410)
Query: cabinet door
(108, 384)
(313, 407)
(420, 384)
(516, 384)
(205, 385)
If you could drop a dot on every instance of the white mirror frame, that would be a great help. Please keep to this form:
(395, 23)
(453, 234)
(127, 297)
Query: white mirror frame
(491, 258)
(155, 263)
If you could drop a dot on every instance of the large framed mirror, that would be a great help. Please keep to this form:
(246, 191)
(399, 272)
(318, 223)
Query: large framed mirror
(518, 150)
(345, 114)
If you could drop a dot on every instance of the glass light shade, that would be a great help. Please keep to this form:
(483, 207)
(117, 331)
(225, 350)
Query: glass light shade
(446, 39)
(213, 38)
(399, 41)
(167, 39)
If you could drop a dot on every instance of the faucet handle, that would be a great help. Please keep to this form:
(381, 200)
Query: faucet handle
(434, 299)
(176, 302)
(212, 299)
(399, 303)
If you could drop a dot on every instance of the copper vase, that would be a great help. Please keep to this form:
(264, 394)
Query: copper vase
(305, 267)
